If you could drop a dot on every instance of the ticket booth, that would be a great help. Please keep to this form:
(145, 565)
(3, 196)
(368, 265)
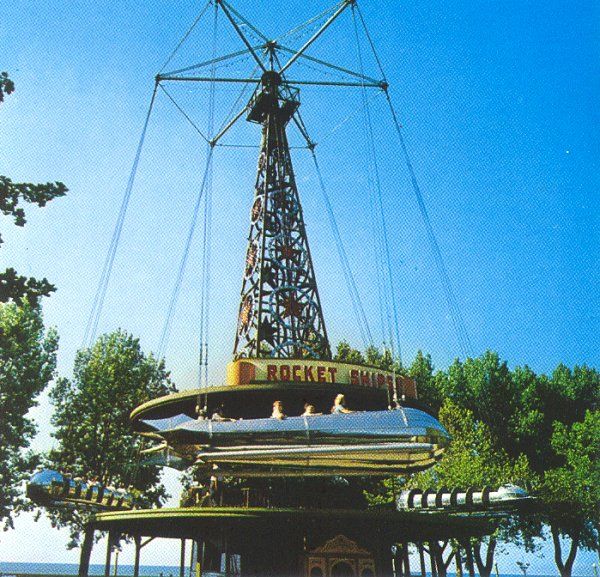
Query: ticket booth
(339, 557)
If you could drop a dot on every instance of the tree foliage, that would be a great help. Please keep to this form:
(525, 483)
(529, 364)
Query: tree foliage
(12, 193)
(571, 491)
(473, 459)
(577, 481)
(428, 383)
(346, 354)
(563, 397)
(13, 286)
(93, 431)
(7, 86)
(513, 425)
(27, 364)
(485, 386)
(373, 357)
(554, 407)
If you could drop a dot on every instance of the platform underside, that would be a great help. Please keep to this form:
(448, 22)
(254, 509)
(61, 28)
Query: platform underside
(372, 460)
(180, 523)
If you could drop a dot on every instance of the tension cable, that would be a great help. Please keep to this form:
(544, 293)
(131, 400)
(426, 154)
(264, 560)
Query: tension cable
(457, 319)
(186, 35)
(363, 324)
(184, 114)
(182, 265)
(391, 315)
(207, 240)
(94, 318)
(455, 313)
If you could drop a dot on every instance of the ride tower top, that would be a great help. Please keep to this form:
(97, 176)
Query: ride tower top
(280, 313)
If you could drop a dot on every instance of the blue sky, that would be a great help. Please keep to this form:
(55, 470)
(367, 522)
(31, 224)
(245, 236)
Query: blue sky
(498, 103)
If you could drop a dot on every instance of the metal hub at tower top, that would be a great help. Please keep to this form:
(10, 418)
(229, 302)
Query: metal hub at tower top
(280, 312)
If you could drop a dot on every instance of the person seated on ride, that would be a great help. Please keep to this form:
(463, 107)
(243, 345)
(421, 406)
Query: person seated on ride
(278, 411)
(309, 410)
(339, 405)
(196, 496)
(218, 415)
(201, 412)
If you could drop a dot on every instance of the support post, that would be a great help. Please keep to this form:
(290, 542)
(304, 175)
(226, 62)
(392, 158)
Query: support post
(422, 559)
(399, 560)
(406, 559)
(109, 542)
(86, 551)
(182, 559)
(458, 560)
(227, 571)
(434, 572)
(138, 550)
(192, 556)
(469, 561)
(200, 558)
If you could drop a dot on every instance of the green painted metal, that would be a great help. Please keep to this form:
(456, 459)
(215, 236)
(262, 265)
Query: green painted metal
(186, 522)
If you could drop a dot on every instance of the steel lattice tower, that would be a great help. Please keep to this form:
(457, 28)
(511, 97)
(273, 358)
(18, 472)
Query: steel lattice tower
(280, 311)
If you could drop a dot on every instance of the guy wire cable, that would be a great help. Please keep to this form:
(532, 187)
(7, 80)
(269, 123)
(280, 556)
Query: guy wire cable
(207, 230)
(455, 313)
(391, 311)
(182, 265)
(186, 35)
(95, 313)
(363, 324)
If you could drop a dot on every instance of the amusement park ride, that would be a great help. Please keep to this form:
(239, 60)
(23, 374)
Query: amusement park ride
(282, 351)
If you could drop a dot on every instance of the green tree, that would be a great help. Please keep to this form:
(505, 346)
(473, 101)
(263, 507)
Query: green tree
(346, 354)
(571, 492)
(12, 285)
(373, 357)
(27, 364)
(485, 386)
(382, 359)
(474, 459)
(550, 407)
(564, 397)
(429, 385)
(7, 86)
(91, 417)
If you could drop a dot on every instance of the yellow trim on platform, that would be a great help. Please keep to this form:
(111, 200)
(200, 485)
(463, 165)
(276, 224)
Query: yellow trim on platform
(238, 512)
(169, 399)
(256, 513)
(183, 512)
(192, 395)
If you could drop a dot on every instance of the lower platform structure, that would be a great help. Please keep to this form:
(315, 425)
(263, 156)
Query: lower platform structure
(236, 541)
